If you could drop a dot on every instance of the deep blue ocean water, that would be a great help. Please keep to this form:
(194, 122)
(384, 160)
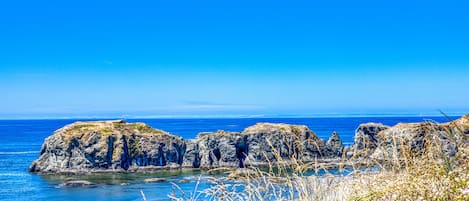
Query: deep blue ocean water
(21, 140)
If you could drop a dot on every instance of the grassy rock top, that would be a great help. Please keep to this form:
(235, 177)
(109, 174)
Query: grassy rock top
(463, 121)
(82, 129)
(269, 127)
(280, 128)
(107, 127)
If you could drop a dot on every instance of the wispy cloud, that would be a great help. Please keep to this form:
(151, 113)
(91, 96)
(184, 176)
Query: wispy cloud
(208, 105)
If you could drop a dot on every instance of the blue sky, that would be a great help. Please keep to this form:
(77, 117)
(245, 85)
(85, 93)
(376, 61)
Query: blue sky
(238, 58)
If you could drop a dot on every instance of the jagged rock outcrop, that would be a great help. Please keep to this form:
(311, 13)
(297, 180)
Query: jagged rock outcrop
(84, 147)
(212, 150)
(366, 137)
(413, 138)
(117, 146)
(272, 142)
(334, 146)
(383, 142)
(102, 146)
(257, 145)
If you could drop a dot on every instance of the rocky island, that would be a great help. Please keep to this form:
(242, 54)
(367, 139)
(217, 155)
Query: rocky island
(118, 146)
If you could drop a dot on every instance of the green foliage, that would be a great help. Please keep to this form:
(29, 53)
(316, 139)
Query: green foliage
(134, 147)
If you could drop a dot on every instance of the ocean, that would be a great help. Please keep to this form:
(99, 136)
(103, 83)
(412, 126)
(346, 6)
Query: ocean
(21, 140)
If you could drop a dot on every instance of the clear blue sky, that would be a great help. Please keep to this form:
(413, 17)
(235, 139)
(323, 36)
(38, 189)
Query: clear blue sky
(201, 58)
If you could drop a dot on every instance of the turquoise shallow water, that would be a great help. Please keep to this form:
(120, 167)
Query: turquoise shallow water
(21, 140)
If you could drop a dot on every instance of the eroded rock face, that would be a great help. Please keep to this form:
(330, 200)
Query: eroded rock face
(270, 142)
(108, 146)
(334, 146)
(256, 145)
(366, 136)
(415, 138)
(212, 150)
(383, 142)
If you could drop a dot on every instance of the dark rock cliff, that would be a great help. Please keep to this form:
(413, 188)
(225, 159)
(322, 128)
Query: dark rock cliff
(256, 145)
(117, 146)
(383, 142)
(84, 147)
(106, 146)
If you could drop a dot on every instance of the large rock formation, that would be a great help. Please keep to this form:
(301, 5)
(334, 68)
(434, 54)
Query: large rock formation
(283, 141)
(256, 145)
(383, 142)
(108, 146)
(212, 150)
(101, 146)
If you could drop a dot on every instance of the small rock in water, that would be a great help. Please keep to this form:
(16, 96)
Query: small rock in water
(183, 181)
(242, 173)
(153, 180)
(77, 183)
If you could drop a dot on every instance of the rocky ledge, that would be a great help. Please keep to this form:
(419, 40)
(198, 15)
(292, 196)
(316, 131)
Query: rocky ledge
(380, 142)
(118, 146)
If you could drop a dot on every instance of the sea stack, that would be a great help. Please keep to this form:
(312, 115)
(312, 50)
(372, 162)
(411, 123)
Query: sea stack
(118, 146)
(84, 147)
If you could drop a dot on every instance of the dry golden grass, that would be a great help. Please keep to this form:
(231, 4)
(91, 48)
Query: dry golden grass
(400, 174)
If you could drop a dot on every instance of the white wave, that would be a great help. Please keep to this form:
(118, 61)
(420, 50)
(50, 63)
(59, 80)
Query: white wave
(17, 152)
(13, 174)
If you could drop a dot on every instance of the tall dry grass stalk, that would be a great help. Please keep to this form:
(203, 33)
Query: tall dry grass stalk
(399, 172)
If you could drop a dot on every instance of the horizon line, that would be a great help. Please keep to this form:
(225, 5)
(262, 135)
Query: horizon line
(319, 115)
